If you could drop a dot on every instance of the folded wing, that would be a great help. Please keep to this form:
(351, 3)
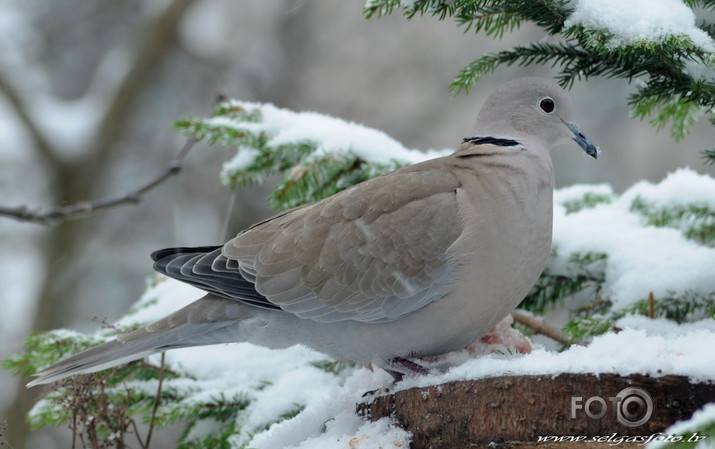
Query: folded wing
(375, 252)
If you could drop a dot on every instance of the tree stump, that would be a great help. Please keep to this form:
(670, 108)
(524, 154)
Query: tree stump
(542, 410)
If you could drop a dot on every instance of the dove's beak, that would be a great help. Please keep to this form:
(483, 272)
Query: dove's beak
(583, 141)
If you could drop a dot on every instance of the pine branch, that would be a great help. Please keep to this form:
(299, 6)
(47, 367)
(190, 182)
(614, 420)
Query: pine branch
(708, 28)
(709, 156)
(686, 306)
(585, 328)
(538, 53)
(310, 172)
(494, 23)
(588, 201)
(493, 16)
(670, 92)
(83, 209)
(709, 4)
(599, 317)
(550, 290)
(695, 220)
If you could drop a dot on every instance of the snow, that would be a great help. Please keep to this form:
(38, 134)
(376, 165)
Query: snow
(240, 162)
(637, 21)
(161, 298)
(634, 350)
(334, 413)
(275, 383)
(330, 134)
(679, 188)
(705, 415)
(369, 435)
(635, 265)
(279, 382)
(576, 192)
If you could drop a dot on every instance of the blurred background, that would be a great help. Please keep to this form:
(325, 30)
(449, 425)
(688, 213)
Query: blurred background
(89, 89)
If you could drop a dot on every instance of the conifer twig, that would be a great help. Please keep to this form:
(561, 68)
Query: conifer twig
(85, 208)
(540, 327)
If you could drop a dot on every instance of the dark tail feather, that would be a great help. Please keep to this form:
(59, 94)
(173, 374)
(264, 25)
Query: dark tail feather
(206, 268)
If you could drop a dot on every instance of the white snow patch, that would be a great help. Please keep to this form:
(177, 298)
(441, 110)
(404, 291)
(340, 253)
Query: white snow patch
(240, 162)
(704, 416)
(369, 435)
(330, 134)
(329, 421)
(641, 258)
(576, 192)
(162, 297)
(640, 20)
(631, 351)
(681, 187)
(664, 327)
(701, 71)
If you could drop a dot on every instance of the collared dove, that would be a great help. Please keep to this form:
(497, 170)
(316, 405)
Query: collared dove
(415, 263)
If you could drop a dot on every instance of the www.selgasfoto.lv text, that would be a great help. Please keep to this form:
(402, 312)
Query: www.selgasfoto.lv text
(614, 438)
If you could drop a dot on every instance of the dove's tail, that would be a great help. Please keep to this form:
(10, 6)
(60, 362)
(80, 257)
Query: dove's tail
(210, 320)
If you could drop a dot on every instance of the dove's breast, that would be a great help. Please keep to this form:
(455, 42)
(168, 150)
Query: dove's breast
(505, 243)
(506, 212)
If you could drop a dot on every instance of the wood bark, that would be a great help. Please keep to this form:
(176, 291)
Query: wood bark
(515, 411)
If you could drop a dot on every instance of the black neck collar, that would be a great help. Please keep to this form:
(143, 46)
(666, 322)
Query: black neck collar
(478, 140)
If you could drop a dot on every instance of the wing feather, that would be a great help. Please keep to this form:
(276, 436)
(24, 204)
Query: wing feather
(375, 252)
(372, 253)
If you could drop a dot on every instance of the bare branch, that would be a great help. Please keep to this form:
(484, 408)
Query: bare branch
(85, 208)
(540, 327)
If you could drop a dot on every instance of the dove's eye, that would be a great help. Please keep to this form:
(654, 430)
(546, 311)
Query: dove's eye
(547, 105)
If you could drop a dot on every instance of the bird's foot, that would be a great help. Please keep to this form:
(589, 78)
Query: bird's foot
(403, 366)
(398, 368)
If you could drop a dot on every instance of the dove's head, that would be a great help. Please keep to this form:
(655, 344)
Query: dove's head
(531, 109)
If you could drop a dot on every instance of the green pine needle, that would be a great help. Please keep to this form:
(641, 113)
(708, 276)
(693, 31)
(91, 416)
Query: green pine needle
(709, 156)
(668, 91)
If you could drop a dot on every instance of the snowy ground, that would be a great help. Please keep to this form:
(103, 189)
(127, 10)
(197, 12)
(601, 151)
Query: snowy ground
(277, 381)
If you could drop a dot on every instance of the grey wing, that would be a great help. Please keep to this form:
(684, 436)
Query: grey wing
(375, 252)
